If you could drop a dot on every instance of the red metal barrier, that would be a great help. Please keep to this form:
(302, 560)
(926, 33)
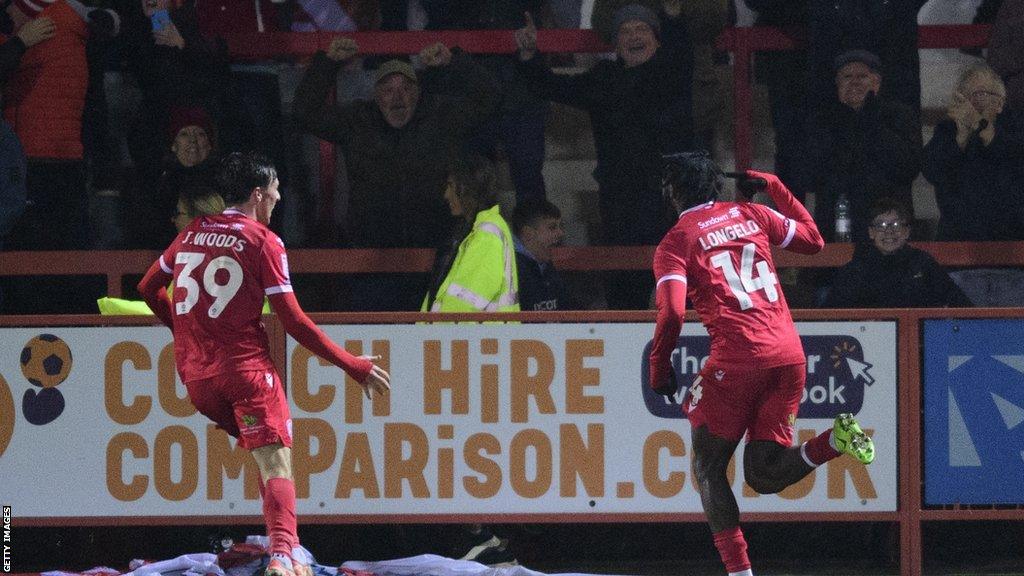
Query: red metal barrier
(115, 265)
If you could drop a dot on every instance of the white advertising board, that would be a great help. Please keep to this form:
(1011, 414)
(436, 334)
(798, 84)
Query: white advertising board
(482, 419)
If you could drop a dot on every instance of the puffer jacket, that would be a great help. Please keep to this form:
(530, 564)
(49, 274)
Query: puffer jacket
(43, 101)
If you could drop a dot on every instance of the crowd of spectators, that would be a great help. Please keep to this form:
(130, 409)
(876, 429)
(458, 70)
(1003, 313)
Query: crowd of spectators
(101, 170)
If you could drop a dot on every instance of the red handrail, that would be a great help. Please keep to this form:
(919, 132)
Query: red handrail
(115, 265)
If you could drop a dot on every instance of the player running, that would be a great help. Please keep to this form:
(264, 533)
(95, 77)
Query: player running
(720, 254)
(222, 266)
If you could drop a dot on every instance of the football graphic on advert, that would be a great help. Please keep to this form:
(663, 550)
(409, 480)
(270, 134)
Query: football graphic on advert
(46, 361)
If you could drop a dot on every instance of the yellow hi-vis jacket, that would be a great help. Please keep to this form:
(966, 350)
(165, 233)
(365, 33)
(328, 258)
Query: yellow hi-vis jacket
(120, 307)
(483, 276)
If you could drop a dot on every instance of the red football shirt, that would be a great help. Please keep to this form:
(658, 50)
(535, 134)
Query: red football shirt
(223, 266)
(722, 252)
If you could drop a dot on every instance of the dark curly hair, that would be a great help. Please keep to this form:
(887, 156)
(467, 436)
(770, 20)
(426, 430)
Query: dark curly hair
(690, 178)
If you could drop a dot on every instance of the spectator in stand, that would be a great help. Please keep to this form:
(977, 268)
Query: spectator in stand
(975, 160)
(865, 146)
(890, 273)
(640, 107)
(481, 275)
(519, 123)
(537, 224)
(785, 74)
(885, 28)
(192, 203)
(705, 20)
(251, 113)
(189, 167)
(100, 150)
(1006, 50)
(396, 148)
(477, 273)
(45, 78)
(175, 66)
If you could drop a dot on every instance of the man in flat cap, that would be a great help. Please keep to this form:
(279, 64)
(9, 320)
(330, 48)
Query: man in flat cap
(396, 150)
(863, 145)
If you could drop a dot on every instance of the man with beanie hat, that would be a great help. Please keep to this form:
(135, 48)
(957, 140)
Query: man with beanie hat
(640, 108)
(863, 145)
(637, 31)
(705, 20)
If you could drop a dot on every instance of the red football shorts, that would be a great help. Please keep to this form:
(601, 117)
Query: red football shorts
(761, 402)
(250, 406)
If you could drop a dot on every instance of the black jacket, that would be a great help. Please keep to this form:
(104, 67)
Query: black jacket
(637, 114)
(868, 154)
(397, 176)
(540, 288)
(907, 278)
(979, 190)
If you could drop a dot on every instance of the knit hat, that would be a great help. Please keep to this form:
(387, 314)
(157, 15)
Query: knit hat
(32, 8)
(636, 12)
(394, 67)
(183, 117)
(862, 56)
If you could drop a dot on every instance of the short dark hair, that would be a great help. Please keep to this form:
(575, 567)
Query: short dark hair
(889, 204)
(475, 181)
(531, 209)
(240, 172)
(690, 178)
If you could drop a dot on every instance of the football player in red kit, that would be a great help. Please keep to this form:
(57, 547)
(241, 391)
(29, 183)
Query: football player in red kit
(222, 266)
(720, 254)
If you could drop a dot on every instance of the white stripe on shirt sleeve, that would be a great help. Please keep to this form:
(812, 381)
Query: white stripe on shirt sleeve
(790, 232)
(667, 277)
(163, 266)
(278, 289)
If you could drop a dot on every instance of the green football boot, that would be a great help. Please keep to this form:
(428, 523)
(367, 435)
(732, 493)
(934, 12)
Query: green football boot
(850, 439)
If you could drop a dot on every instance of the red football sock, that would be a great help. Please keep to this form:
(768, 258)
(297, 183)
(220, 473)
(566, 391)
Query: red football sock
(818, 450)
(279, 513)
(732, 547)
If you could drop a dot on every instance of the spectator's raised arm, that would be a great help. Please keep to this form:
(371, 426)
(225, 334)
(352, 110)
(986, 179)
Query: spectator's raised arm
(310, 105)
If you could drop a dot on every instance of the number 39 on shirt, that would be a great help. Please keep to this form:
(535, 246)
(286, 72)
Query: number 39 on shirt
(221, 293)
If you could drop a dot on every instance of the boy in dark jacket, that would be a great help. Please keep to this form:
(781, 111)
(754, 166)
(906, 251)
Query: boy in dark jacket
(888, 273)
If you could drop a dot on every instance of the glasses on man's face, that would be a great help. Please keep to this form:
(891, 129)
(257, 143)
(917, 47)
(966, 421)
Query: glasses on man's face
(889, 225)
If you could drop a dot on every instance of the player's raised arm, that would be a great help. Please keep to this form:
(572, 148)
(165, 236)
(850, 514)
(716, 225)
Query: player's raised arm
(371, 377)
(153, 288)
(801, 233)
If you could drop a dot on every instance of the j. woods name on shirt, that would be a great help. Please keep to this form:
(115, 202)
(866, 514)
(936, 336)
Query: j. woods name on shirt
(214, 240)
(727, 233)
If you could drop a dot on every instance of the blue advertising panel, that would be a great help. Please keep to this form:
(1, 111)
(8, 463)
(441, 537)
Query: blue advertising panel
(973, 410)
(837, 374)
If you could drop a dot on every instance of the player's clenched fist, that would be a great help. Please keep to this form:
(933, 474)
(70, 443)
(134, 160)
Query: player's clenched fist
(437, 54)
(342, 49)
